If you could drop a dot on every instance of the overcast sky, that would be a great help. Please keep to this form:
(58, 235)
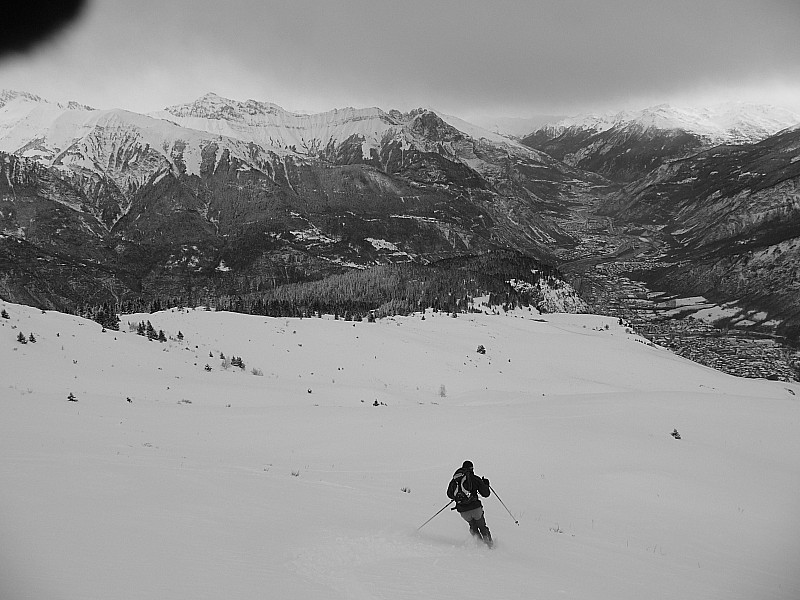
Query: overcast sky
(464, 57)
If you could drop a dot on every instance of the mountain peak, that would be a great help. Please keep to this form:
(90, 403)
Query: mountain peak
(213, 106)
(7, 96)
(735, 122)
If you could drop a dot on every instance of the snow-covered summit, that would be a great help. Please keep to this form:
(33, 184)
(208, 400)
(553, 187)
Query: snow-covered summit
(7, 96)
(735, 122)
(268, 124)
(214, 106)
(79, 136)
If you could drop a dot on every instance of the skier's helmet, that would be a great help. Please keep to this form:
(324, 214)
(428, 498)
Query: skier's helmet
(467, 465)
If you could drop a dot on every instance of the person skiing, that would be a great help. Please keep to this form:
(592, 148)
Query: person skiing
(464, 488)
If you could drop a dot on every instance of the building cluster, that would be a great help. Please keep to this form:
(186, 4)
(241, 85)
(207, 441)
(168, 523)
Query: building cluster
(738, 352)
(596, 268)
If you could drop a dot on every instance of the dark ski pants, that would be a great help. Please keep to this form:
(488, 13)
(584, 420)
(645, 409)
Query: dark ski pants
(477, 523)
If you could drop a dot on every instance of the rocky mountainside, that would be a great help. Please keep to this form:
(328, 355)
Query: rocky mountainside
(219, 196)
(732, 214)
(627, 145)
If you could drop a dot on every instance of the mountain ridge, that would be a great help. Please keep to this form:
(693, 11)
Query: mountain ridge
(732, 122)
(171, 198)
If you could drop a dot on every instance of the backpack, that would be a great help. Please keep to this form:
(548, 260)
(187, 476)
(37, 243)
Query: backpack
(463, 491)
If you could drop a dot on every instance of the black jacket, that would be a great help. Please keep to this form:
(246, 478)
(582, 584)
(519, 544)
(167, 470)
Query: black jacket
(471, 485)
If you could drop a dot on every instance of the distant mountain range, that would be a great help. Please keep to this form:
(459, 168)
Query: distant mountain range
(226, 195)
(727, 123)
(223, 197)
(732, 215)
(721, 186)
(624, 146)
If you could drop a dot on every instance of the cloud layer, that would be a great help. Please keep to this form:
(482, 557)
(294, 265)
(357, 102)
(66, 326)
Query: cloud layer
(466, 57)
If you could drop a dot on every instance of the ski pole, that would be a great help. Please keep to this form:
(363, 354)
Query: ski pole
(504, 505)
(431, 519)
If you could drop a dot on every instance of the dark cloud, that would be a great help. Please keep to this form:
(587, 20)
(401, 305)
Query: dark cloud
(464, 56)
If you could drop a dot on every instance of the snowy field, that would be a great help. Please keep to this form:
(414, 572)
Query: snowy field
(167, 481)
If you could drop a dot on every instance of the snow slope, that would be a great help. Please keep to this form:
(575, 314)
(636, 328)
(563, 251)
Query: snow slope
(292, 484)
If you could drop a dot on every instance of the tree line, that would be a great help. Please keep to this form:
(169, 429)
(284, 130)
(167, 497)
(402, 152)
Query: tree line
(448, 285)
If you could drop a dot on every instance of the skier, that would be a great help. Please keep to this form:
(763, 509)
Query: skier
(464, 488)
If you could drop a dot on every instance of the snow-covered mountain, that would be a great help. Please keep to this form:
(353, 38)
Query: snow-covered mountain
(718, 184)
(36, 128)
(78, 136)
(307, 474)
(310, 134)
(115, 142)
(191, 180)
(324, 134)
(270, 125)
(625, 146)
(733, 215)
(735, 122)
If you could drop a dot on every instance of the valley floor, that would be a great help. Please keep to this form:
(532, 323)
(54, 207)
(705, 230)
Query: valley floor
(598, 268)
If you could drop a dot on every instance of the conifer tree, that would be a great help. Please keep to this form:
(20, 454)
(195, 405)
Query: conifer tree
(21, 338)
